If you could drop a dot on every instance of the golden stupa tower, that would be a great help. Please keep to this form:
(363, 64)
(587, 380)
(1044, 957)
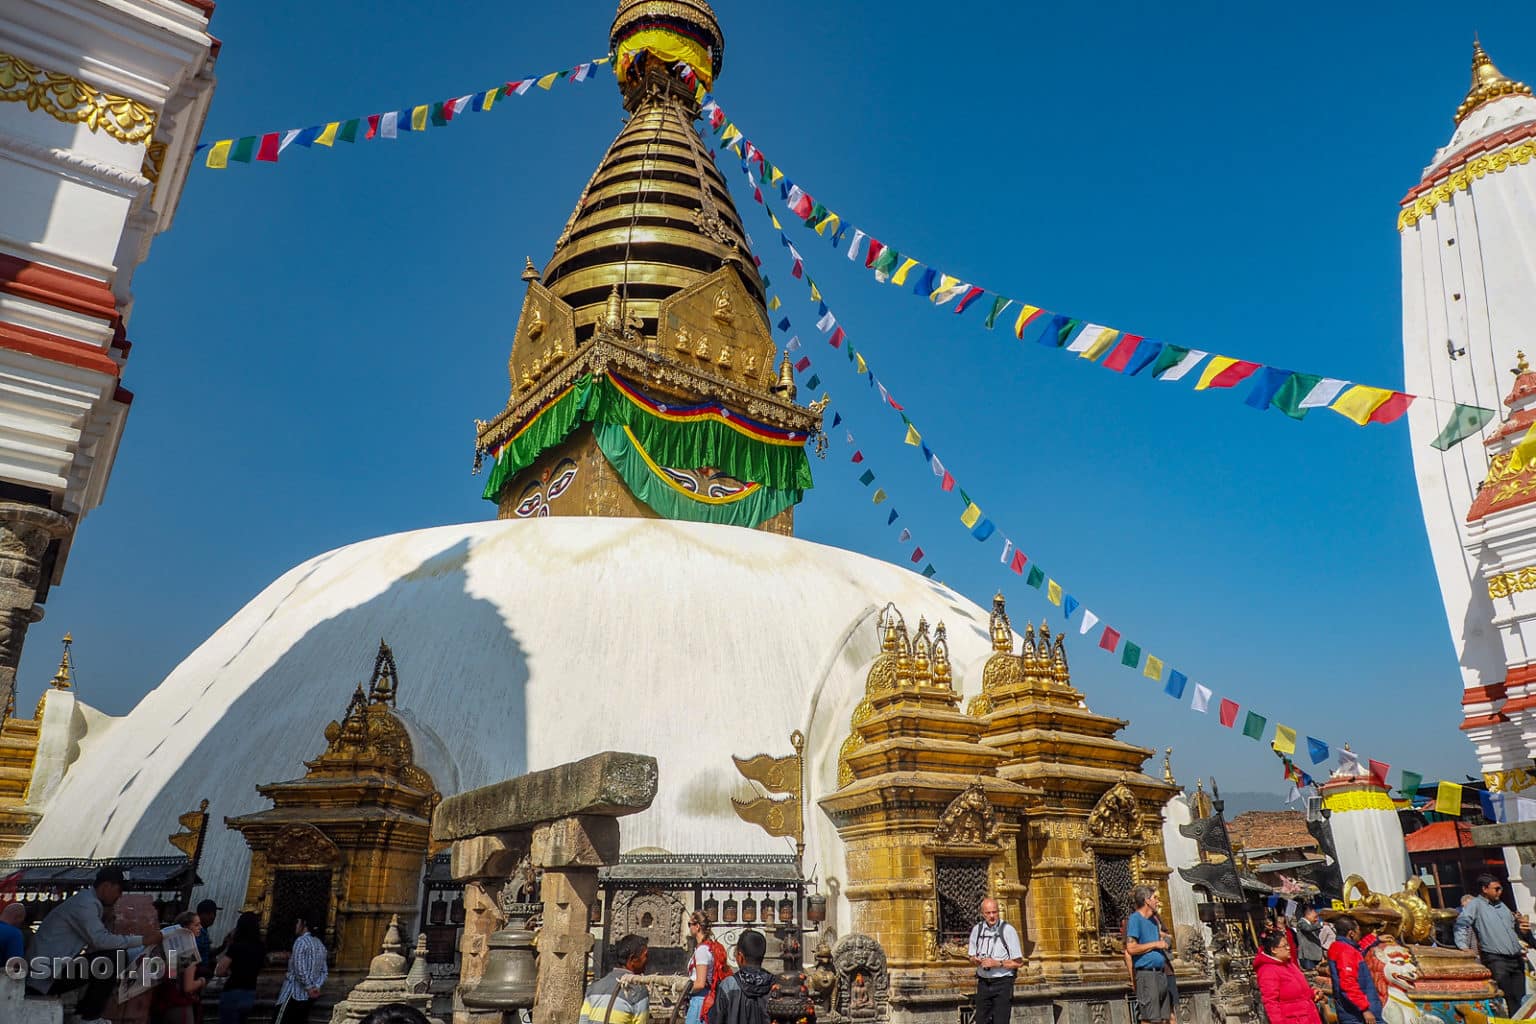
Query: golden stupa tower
(644, 379)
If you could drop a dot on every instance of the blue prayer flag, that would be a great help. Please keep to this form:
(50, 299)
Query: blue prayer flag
(837, 239)
(837, 418)
(1145, 353)
(1174, 687)
(1317, 750)
(1269, 381)
(983, 529)
(1485, 801)
(814, 382)
(1069, 605)
(784, 324)
(821, 310)
(307, 137)
(924, 286)
(892, 518)
(1052, 335)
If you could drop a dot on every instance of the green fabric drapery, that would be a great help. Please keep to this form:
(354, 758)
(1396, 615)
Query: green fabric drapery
(669, 500)
(681, 440)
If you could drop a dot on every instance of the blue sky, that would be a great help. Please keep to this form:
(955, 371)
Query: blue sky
(313, 339)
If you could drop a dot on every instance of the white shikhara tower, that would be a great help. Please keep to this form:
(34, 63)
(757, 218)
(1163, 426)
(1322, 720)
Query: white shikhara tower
(1469, 308)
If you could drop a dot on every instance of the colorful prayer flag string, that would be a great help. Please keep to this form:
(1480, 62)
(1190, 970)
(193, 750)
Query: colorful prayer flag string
(270, 146)
(1294, 394)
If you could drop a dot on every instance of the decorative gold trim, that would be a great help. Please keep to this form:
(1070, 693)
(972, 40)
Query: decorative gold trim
(1506, 584)
(1359, 800)
(72, 101)
(1461, 180)
(1510, 780)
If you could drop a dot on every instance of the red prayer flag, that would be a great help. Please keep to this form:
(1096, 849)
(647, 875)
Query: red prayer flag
(1121, 356)
(858, 456)
(948, 483)
(1392, 409)
(1234, 374)
(1379, 772)
(1111, 638)
(803, 363)
(875, 249)
(917, 555)
(373, 126)
(836, 341)
(803, 208)
(448, 108)
(969, 297)
(1228, 712)
(268, 149)
(895, 404)
(798, 270)
(1017, 565)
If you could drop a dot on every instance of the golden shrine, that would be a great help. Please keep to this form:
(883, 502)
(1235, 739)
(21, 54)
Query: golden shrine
(20, 740)
(343, 846)
(1027, 797)
(644, 378)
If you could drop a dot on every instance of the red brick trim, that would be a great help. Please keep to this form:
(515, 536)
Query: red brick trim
(1461, 156)
(1482, 720)
(1484, 694)
(55, 287)
(57, 349)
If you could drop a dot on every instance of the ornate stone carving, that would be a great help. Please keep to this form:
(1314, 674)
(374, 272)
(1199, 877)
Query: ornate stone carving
(969, 819)
(1085, 913)
(26, 531)
(859, 962)
(302, 844)
(1117, 816)
(657, 917)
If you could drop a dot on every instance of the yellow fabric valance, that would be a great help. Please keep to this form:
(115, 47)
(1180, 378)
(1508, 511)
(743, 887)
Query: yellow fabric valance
(669, 47)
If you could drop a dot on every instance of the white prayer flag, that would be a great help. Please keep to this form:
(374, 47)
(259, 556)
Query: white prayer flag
(794, 344)
(288, 138)
(906, 535)
(461, 104)
(1007, 550)
(523, 86)
(949, 288)
(1086, 337)
(1184, 366)
(1323, 394)
(853, 247)
(827, 322)
(795, 195)
(388, 123)
(1089, 621)
(581, 72)
(1202, 698)
(1349, 763)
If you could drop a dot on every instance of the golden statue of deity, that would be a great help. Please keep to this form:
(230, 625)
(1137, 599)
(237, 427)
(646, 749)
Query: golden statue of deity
(723, 311)
(682, 338)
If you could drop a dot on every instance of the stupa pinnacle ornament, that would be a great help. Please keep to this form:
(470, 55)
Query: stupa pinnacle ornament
(641, 373)
(1488, 83)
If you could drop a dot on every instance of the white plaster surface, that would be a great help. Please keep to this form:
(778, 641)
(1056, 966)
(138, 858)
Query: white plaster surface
(1370, 844)
(521, 645)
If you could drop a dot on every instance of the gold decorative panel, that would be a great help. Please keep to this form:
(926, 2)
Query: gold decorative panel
(68, 99)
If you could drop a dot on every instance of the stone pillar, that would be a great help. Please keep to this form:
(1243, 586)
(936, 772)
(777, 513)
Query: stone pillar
(570, 851)
(25, 532)
(484, 864)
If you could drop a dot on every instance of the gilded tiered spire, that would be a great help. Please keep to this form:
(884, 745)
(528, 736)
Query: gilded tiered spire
(1488, 83)
(63, 678)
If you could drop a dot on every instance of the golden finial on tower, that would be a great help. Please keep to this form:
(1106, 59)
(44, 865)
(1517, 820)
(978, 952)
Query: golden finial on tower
(1488, 83)
(1168, 765)
(1521, 366)
(530, 272)
(1002, 629)
(613, 313)
(63, 678)
(785, 388)
(384, 687)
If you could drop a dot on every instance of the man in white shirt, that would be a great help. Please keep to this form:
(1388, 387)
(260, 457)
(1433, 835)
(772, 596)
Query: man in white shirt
(77, 928)
(995, 950)
(306, 976)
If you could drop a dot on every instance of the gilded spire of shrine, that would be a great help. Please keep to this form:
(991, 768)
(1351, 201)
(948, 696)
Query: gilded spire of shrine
(1488, 83)
(63, 679)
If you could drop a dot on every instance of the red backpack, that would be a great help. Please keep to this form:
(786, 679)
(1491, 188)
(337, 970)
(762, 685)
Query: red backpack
(719, 970)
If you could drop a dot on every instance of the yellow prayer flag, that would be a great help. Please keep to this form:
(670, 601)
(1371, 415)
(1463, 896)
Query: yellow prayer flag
(548, 80)
(774, 175)
(774, 303)
(899, 279)
(775, 221)
(419, 117)
(1102, 344)
(1154, 669)
(864, 367)
(1053, 591)
(218, 156)
(815, 292)
(1285, 739)
(490, 99)
(879, 495)
(971, 516)
(832, 219)
(328, 136)
(1448, 798)
(1026, 314)
(913, 437)
(1212, 369)
(1359, 402)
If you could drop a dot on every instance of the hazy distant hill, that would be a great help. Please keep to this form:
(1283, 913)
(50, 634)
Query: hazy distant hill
(1238, 802)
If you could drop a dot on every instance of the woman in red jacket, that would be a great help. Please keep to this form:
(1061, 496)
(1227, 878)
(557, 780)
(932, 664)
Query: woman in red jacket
(1288, 998)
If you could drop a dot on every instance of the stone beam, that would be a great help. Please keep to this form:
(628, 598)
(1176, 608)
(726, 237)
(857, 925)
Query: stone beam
(608, 784)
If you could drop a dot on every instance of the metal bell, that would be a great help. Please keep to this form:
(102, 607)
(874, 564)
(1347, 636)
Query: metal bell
(510, 972)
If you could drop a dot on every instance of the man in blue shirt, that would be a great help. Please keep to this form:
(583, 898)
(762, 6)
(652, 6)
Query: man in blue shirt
(1148, 946)
(13, 941)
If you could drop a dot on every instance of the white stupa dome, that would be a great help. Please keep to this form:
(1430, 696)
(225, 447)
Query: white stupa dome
(521, 644)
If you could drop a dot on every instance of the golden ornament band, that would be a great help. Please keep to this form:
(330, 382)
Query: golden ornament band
(68, 99)
(1461, 181)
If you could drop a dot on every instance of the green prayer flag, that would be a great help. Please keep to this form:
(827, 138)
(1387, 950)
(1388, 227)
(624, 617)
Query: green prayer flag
(813, 383)
(929, 570)
(1132, 656)
(766, 282)
(1464, 422)
(818, 214)
(1291, 394)
(244, 149)
(887, 262)
(1168, 358)
(439, 116)
(1036, 577)
(1253, 726)
(1409, 784)
(867, 478)
(1066, 332)
(997, 307)
(348, 131)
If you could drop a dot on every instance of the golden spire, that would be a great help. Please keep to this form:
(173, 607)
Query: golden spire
(530, 272)
(1488, 83)
(1521, 366)
(1168, 766)
(384, 687)
(62, 679)
(785, 388)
